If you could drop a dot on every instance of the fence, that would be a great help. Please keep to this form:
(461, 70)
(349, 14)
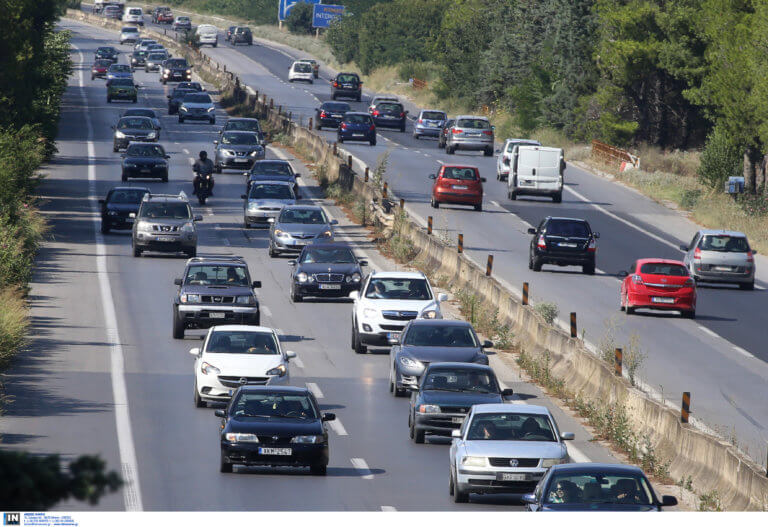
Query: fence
(612, 156)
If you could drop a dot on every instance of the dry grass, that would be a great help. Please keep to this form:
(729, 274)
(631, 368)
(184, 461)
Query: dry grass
(13, 324)
(680, 162)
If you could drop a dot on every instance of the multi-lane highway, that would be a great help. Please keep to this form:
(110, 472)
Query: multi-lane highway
(103, 374)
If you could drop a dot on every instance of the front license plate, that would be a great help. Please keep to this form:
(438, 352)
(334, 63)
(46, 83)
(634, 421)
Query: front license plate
(166, 239)
(217, 315)
(457, 420)
(330, 286)
(265, 451)
(241, 160)
(460, 187)
(146, 171)
(507, 476)
(662, 300)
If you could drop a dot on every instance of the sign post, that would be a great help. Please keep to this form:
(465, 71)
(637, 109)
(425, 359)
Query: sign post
(324, 15)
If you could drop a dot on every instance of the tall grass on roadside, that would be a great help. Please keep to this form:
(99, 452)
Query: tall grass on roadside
(13, 324)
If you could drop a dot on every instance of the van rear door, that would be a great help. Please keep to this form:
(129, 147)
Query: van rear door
(526, 166)
(548, 171)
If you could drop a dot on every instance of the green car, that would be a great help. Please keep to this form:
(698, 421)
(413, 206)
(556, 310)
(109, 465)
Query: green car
(124, 89)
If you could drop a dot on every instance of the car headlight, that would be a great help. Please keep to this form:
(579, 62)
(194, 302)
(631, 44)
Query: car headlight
(188, 227)
(410, 363)
(432, 313)
(302, 277)
(189, 72)
(183, 108)
(211, 109)
(143, 226)
(242, 438)
(246, 299)
(151, 135)
(429, 409)
(190, 299)
(280, 371)
(129, 165)
(369, 313)
(253, 205)
(256, 152)
(112, 213)
(119, 134)
(209, 369)
(325, 234)
(473, 461)
(281, 234)
(307, 439)
(356, 277)
(551, 462)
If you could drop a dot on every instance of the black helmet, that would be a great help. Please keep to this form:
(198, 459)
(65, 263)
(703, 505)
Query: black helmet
(203, 154)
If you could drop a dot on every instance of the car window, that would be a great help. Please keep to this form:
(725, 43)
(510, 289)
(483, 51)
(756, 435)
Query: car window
(512, 144)
(390, 107)
(176, 63)
(357, 119)
(140, 150)
(260, 404)
(246, 126)
(440, 336)
(266, 191)
(575, 229)
(664, 269)
(139, 112)
(138, 123)
(120, 67)
(130, 30)
(217, 275)
(177, 211)
(126, 196)
(466, 174)
(305, 216)
(346, 77)
(599, 487)
(281, 169)
(181, 93)
(510, 427)
(433, 116)
(335, 255)
(398, 288)
(193, 86)
(302, 67)
(239, 139)
(339, 107)
(456, 379)
(156, 56)
(724, 243)
(473, 123)
(199, 98)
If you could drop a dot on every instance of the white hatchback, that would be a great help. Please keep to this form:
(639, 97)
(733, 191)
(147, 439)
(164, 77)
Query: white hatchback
(134, 15)
(301, 71)
(237, 355)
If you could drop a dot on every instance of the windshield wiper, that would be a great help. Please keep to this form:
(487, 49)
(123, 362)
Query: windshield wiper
(447, 389)
(290, 416)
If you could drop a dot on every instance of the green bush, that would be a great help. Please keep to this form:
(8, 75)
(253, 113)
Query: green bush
(299, 20)
(547, 310)
(720, 159)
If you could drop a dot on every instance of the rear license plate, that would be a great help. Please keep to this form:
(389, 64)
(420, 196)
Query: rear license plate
(457, 420)
(474, 134)
(166, 239)
(460, 187)
(389, 117)
(146, 171)
(346, 85)
(662, 300)
(563, 244)
(358, 135)
(507, 476)
(330, 286)
(217, 315)
(337, 116)
(722, 268)
(264, 451)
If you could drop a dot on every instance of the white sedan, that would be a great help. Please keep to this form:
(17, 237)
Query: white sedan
(234, 356)
(504, 448)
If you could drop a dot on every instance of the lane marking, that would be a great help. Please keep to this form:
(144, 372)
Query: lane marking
(185, 150)
(708, 331)
(268, 312)
(298, 362)
(126, 449)
(744, 352)
(362, 467)
(316, 391)
(388, 508)
(337, 427)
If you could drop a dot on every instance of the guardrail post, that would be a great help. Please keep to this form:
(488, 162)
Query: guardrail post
(685, 410)
(290, 116)
(366, 174)
(461, 243)
(525, 293)
(617, 362)
(280, 110)
(489, 265)
(349, 160)
(384, 191)
(335, 148)
(429, 224)
(309, 125)
(271, 104)
(574, 333)
(402, 203)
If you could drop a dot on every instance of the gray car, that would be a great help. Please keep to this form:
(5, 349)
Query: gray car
(297, 226)
(721, 256)
(237, 150)
(145, 112)
(155, 60)
(424, 341)
(429, 123)
(132, 129)
(265, 199)
(470, 132)
(165, 224)
(198, 106)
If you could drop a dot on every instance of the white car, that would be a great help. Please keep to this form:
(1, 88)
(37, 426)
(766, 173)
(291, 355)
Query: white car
(207, 34)
(134, 15)
(301, 71)
(234, 355)
(504, 449)
(507, 153)
(129, 34)
(386, 302)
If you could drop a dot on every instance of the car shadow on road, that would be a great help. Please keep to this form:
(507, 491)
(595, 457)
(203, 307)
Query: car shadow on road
(338, 472)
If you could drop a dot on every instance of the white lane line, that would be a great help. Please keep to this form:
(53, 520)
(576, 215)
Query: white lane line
(439, 161)
(362, 467)
(417, 151)
(191, 160)
(496, 203)
(268, 312)
(744, 352)
(337, 427)
(185, 150)
(388, 508)
(316, 391)
(298, 362)
(708, 331)
(130, 472)
(577, 455)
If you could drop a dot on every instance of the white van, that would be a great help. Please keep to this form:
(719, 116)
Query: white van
(207, 34)
(134, 15)
(536, 171)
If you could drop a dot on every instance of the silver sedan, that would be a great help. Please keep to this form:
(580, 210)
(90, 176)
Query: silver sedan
(298, 226)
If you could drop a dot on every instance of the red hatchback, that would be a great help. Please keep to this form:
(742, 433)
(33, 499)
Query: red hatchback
(458, 185)
(655, 283)
(100, 67)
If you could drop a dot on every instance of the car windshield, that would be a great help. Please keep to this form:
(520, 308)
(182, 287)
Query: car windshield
(135, 150)
(181, 93)
(199, 98)
(194, 86)
(279, 169)
(338, 107)
(398, 288)
(171, 210)
(267, 191)
(602, 487)
(347, 78)
(242, 343)
(140, 112)
(357, 119)
(463, 173)
(182, 19)
(139, 123)
(139, 53)
(208, 274)
(724, 244)
(265, 404)
(440, 336)
(473, 123)
(390, 107)
(156, 56)
(122, 82)
(131, 196)
(120, 67)
(327, 255)
(664, 269)
(130, 30)
(239, 138)
(510, 427)
(249, 125)
(105, 50)
(148, 43)
(570, 229)
(302, 67)
(134, 11)
(305, 216)
(433, 116)
(176, 63)
(460, 380)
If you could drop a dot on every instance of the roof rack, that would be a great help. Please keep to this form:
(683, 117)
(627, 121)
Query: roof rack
(216, 257)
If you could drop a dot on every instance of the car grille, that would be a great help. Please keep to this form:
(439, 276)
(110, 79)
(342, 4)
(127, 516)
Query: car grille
(234, 381)
(523, 462)
(216, 299)
(454, 409)
(272, 209)
(270, 440)
(400, 315)
(390, 327)
(303, 236)
(165, 228)
(329, 277)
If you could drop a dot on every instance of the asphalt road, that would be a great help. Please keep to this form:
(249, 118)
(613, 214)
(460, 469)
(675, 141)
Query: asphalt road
(118, 385)
(720, 357)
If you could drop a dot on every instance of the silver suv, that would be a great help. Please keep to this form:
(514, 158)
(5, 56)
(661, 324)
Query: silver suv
(165, 223)
(721, 256)
(470, 132)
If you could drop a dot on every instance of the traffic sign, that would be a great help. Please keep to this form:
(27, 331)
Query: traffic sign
(323, 15)
(287, 5)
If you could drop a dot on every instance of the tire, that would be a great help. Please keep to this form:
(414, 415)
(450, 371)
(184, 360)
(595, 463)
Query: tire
(199, 403)
(689, 314)
(271, 251)
(333, 96)
(536, 264)
(588, 269)
(435, 204)
(114, 148)
(213, 120)
(318, 470)
(104, 227)
(511, 194)
(416, 136)
(201, 198)
(109, 99)
(296, 297)
(479, 208)
(530, 260)
(373, 142)
(352, 345)
(359, 347)
(402, 129)
(629, 310)
(290, 80)
(224, 467)
(358, 98)
(458, 495)
(192, 253)
(449, 150)
(136, 252)
(318, 126)
(417, 435)
(558, 198)
(164, 179)
(747, 287)
(178, 329)
(340, 140)
(488, 152)
(135, 100)
(216, 45)
(93, 77)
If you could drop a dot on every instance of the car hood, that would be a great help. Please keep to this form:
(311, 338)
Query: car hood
(458, 398)
(271, 202)
(243, 364)
(439, 354)
(240, 148)
(123, 207)
(312, 268)
(203, 105)
(271, 177)
(136, 131)
(274, 426)
(217, 291)
(121, 74)
(528, 449)
(384, 304)
(302, 228)
(141, 159)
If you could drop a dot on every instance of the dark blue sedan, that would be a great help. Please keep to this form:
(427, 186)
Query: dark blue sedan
(274, 426)
(117, 207)
(357, 126)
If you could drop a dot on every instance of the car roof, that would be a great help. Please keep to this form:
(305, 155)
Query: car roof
(242, 327)
(471, 117)
(458, 166)
(510, 409)
(459, 365)
(582, 467)
(328, 245)
(398, 274)
(274, 389)
(440, 322)
(245, 119)
(518, 140)
(705, 232)
(642, 261)
(143, 117)
(561, 218)
(242, 132)
(272, 182)
(433, 110)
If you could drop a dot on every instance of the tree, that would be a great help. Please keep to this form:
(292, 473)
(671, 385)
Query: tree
(299, 19)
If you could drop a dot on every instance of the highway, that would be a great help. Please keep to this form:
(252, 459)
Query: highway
(103, 375)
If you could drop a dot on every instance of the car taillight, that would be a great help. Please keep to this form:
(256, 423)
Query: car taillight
(690, 283)
(421, 120)
(636, 278)
(456, 130)
(335, 84)
(542, 243)
(750, 257)
(322, 115)
(592, 247)
(375, 113)
(343, 126)
(402, 114)
(697, 254)
(487, 132)
(372, 128)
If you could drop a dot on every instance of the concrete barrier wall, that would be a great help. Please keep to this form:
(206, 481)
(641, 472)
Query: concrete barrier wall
(712, 464)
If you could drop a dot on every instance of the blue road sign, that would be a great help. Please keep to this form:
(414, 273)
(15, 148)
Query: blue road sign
(323, 15)
(286, 5)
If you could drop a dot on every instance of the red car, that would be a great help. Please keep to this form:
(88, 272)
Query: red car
(655, 283)
(458, 185)
(100, 67)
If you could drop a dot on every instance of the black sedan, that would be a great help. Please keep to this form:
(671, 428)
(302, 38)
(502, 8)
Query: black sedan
(131, 129)
(357, 126)
(446, 393)
(424, 341)
(328, 270)
(175, 98)
(272, 170)
(595, 487)
(138, 59)
(274, 426)
(563, 241)
(189, 85)
(117, 207)
(107, 53)
(330, 114)
(145, 160)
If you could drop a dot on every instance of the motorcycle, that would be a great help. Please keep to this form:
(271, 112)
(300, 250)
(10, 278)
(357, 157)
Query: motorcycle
(204, 188)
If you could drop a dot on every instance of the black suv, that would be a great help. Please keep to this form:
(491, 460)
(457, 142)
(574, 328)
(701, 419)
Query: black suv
(215, 290)
(176, 70)
(242, 35)
(563, 241)
(347, 85)
(120, 207)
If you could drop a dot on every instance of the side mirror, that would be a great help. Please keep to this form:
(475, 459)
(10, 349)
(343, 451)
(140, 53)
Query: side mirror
(362, 263)
(132, 215)
(668, 501)
(433, 176)
(529, 498)
(243, 196)
(493, 128)
(507, 392)
(220, 413)
(297, 175)
(292, 263)
(256, 284)
(334, 222)
(623, 274)
(290, 355)
(354, 295)
(270, 220)
(596, 235)
(487, 344)
(177, 281)
(456, 433)
(194, 351)
(215, 142)
(683, 248)
(482, 180)
(567, 436)
(754, 251)
(442, 297)
(198, 218)
(329, 417)
(531, 231)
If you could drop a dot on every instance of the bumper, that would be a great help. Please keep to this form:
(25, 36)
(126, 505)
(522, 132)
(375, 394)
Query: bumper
(117, 222)
(439, 424)
(389, 123)
(357, 136)
(459, 198)
(407, 378)
(209, 41)
(645, 300)
(426, 131)
(124, 96)
(194, 116)
(151, 242)
(204, 317)
(152, 173)
(329, 122)
(540, 189)
(375, 332)
(301, 455)
(211, 389)
(152, 67)
(308, 77)
(565, 259)
(177, 76)
(293, 245)
(260, 216)
(314, 289)
(237, 162)
(726, 277)
(123, 142)
(342, 92)
(485, 481)
(471, 144)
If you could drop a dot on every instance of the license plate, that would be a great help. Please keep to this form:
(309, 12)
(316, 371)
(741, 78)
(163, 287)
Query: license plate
(358, 135)
(390, 117)
(330, 286)
(265, 451)
(722, 268)
(166, 239)
(508, 476)
(337, 116)
(241, 160)
(460, 187)
(563, 244)
(146, 171)
(393, 335)
(346, 85)
(217, 315)
(457, 420)
(662, 300)
(471, 134)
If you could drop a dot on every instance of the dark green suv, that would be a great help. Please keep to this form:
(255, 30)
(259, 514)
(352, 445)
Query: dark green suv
(123, 89)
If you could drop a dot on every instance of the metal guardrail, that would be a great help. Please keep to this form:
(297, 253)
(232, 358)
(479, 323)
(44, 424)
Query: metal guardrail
(613, 156)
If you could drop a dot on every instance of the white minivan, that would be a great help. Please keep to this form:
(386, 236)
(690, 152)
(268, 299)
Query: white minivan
(536, 171)
(134, 15)
(207, 34)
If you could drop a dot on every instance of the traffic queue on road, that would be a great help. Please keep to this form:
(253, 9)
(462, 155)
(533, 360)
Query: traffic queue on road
(241, 366)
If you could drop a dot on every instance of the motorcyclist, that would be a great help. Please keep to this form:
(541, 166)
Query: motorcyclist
(203, 167)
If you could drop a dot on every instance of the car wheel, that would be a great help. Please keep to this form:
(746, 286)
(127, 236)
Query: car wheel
(318, 470)
(449, 150)
(93, 77)
(333, 96)
(164, 179)
(192, 253)
(359, 347)
(199, 403)
(530, 260)
(290, 80)
(296, 296)
(459, 496)
(629, 310)
(358, 98)
(115, 148)
(435, 204)
(352, 345)
(178, 328)
(224, 467)
(748, 286)
(588, 269)
(136, 252)
(373, 142)
(135, 100)
(213, 120)
(558, 198)
(318, 126)
(536, 264)
(689, 314)
(417, 435)
(479, 208)
(104, 227)
(511, 194)
(109, 99)
(416, 136)
(488, 152)
(402, 128)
